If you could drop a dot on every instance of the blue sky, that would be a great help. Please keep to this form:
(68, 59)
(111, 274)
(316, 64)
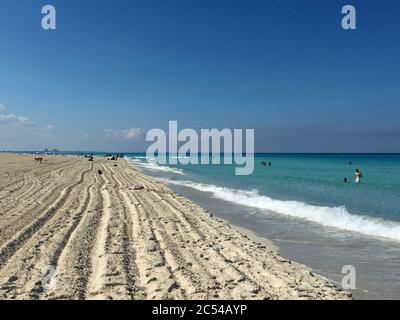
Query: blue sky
(114, 69)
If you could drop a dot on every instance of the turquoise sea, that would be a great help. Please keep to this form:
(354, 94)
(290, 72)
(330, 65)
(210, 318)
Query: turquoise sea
(309, 187)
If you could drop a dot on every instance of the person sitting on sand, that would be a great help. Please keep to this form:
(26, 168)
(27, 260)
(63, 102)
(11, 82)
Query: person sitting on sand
(358, 175)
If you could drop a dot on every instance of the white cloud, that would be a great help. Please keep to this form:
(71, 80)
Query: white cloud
(49, 127)
(12, 118)
(131, 133)
(128, 134)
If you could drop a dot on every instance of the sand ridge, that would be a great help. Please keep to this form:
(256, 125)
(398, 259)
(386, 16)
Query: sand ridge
(106, 241)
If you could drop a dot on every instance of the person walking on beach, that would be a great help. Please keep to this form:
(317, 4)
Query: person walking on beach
(358, 175)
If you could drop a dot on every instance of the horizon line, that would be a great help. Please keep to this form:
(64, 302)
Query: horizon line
(167, 153)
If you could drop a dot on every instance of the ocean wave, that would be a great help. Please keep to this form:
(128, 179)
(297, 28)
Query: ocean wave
(150, 165)
(337, 217)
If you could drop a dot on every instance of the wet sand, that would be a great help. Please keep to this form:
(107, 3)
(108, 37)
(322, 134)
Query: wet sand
(106, 241)
(325, 250)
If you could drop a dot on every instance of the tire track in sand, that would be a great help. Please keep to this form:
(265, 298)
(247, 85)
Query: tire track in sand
(114, 272)
(44, 247)
(21, 207)
(160, 270)
(74, 265)
(178, 236)
(8, 249)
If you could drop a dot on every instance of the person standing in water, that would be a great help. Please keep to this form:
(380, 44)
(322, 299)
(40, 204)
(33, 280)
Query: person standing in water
(358, 175)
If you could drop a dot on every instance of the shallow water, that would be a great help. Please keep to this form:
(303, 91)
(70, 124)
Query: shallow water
(324, 250)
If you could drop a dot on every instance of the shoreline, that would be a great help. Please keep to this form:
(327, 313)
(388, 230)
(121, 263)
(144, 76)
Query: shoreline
(107, 241)
(254, 237)
(323, 250)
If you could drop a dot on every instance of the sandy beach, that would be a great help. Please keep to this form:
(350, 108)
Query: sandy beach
(106, 241)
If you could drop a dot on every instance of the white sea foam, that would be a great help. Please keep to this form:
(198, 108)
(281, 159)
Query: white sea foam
(337, 217)
(151, 165)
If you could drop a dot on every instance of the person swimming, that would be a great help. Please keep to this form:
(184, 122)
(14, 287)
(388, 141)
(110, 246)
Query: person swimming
(358, 175)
